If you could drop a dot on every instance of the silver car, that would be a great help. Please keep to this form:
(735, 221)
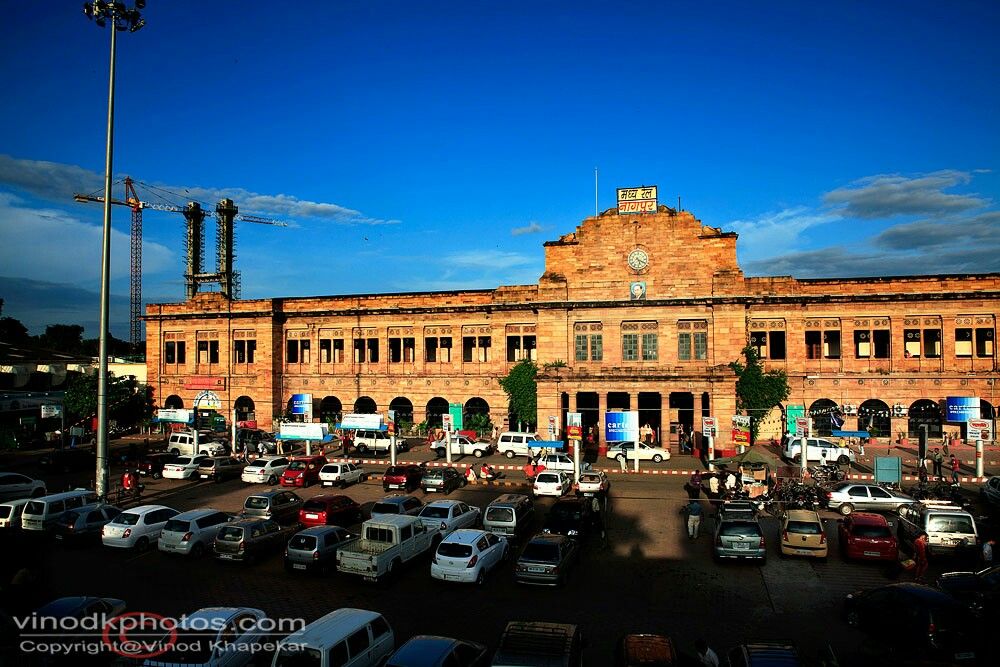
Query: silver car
(739, 537)
(192, 533)
(846, 497)
(315, 549)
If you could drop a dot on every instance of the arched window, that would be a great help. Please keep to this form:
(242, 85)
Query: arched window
(365, 405)
(244, 407)
(825, 416)
(874, 416)
(173, 402)
(403, 407)
(924, 413)
(331, 409)
(436, 407)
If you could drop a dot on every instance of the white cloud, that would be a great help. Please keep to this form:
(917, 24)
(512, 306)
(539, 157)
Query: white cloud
(777, 232)
(531, 228)
(888, 195)
(487, 259)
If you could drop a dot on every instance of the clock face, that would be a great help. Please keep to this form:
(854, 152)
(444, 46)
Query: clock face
(638, 259)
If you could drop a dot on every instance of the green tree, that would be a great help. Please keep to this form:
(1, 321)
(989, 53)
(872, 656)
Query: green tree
(756, 391)
(13, 332)
(129, 402)
(522, 391)
(479, 422)
(65, 338)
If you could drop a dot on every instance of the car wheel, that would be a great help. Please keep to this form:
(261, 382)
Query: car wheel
(141, 545)
(843, 460)
(175, 451)
(363, 450)
(439, 452)
(620, 457)
(272, 480)
(797, 458)
(342, 484)
(846, 509)
(197, 550)
(657, 458)
(480, 578)
(478, 453)
(509, 455)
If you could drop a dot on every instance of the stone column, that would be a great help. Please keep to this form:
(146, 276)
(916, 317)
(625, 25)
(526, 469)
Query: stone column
(602, 407)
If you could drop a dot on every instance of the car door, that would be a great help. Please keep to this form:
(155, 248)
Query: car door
(880, 499)
(463, 516)
(492, 552)
(859, 496)
(992, 490)
(94, 521)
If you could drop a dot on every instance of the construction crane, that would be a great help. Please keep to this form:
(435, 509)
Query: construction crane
(225, 276)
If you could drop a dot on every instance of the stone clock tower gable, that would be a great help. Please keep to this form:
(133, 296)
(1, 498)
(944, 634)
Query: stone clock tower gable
(671, 252)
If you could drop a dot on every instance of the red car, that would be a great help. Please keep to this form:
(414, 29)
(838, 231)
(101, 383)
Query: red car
(867, 536)
(303, 470)
(402, 477)
(329, 510)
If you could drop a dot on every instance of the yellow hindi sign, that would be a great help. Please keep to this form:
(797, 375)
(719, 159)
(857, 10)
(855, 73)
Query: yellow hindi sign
(637, 200)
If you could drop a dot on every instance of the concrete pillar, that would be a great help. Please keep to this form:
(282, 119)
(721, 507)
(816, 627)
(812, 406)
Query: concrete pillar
(602, 407)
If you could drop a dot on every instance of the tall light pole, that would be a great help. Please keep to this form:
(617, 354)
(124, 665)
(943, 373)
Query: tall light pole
(120, 17)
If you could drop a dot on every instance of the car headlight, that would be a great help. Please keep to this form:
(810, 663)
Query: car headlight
(573, 533)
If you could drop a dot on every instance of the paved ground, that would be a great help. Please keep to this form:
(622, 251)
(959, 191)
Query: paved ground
(649, 577)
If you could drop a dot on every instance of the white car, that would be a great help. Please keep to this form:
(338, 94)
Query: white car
(226, 631)
(14, 486)
(561, 462)
(449, 515)
(467, 555)
(514, 443)
(462, 445)
(137, 528)
(192, 533)
(627, 450)
(818, 449)
(185, 467)
(593, 483)
(341, 474)
(265, 470)
(11, 511)
(555, 483)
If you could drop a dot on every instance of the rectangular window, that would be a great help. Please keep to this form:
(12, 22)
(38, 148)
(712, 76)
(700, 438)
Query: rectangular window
(701, 346)
(409, 350)
(292, 352)
(325, 350)
(514, 348)
(170, 353)
(239, 351)
(911, 343)
(338, 350)
(468, 345)
(684, 346)
(649, 347)
(181, 358)
(814, 346)
(395, 350)
(213, 351)
(476, 348)
(359, 350)
(203, 352)
(776, 340)
(581, 347)
(963, 342)
(932, 343)
(758, 341)
(882, 343)
(984, 343)
(831, 344)
(444, 349)
(373, 350)
(430, 349)
(862, 344)
(630, 347)
(521, 347)
(597, 347)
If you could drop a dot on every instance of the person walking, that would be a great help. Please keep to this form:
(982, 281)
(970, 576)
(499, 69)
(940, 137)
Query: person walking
(937, 459)
(693, 486)
(706, 656)
(988, 552)
(955, 466)
(920, 556)
(694, 512)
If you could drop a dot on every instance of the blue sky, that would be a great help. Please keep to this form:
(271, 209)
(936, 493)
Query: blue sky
(437, 145)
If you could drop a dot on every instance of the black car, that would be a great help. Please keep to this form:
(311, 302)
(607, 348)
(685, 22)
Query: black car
(912, 620)
(152, 464)
(247, 540)
(979, 590)
(572, 516)
(65, 460)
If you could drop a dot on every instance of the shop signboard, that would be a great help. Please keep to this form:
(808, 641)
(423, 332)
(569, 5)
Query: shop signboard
(792, 413)
(574, 425)
(180, 416)
(457, 421)
(709, 427)
(637, 200)
(621, 426)
(302, 404)
(962, 408)
(980, 429)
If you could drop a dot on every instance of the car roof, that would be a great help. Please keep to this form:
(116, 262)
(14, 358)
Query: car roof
(572, 500)
(803, 515)
(16, 503)
(509, 499)
(465, 536)
(869, 519)
(327, 497)
(328, 630)
(548, 537)
(395, 519)
(395, 499)
(145, 509)
(647, 649)
(422, 651)
(264, 460)
(924, 593)
(319, 530)
(243, 522)
(442, 503)
(197, 513)
(771, 654)
(266, 494)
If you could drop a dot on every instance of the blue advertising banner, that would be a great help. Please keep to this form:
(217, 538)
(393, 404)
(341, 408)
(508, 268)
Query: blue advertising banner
(302, 404)
(621, 426)
(962, 408)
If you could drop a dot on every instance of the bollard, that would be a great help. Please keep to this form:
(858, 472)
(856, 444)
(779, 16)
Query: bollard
(979, 458)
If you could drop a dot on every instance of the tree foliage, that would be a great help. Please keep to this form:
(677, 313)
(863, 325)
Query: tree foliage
(65, 338)
(522, 391)
(129, 402)
(757, 392)
(13, 332)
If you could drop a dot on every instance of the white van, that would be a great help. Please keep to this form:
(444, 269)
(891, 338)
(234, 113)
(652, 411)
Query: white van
(512, 443)
(343, 638)
(41, 513)
(182, 444)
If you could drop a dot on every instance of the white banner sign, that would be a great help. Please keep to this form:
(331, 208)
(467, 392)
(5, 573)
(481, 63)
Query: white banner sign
(302, 431)
(177, 416)
(359, 421)
(709, 427)
(51, 411)
(980, 429)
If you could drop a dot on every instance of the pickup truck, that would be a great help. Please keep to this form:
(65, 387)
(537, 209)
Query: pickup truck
(386, 543)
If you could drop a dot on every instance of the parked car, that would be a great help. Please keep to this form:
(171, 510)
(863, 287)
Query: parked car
(84, 523)
(433, 651)
(67, 460)
(386, 543)
(846, 497)
(341, 474)
(559, 462)
(153, 464)
(219, 468)
(592, 483)
(915, 621)
(81, 607)
(329, 510)
(214, 637)
(462, 445)
(979, 590)
(348, 637)
(739, 537)
(42, 512)
(137, 528)
(546, 560)
(315, 549)
(376, 442)
(303, 471)
(449, 515)
(281, 506)
(645, 650)
(14, 486)
(182, 443)
(989, 491)
(403, 477)
(397, 504)
(192, 533)
(445, 480)
(573, 517)
(551, 484)
(867, 536)
(627, 451)
(247, 540)
(10, 513)
(466, 555)
(509, 515)
(951, 531)
(513, 443)
(803, 534)
(538, 643)
(817, 449)
(267, 469)
(184, 467)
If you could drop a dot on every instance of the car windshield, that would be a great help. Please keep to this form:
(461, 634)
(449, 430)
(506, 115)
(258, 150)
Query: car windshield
(541, 551)
(231, 534)
(950, 523)
(740, 528)
(297, 465)
(452, 550)
(126, 519)
(396, 471)
(805, 527)
(256, 503)
(871, 531)
(303, 542)
(590, 479)
(330, 469)
(499, 514)
(296, 656)
(434, 512)
(548, 478)
(565, 512)
(434, 474)
(35, 507)
(314, 505)
(385, 508)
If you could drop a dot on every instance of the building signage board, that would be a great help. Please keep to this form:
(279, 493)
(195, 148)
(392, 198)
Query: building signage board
(303, 431)
(574, 425)
(802, 427)
(980, 429)
(361, 421)
(207, 400)
(962, 408)
(637, 200)
(709, 427)
(455, 410)
(793, 412)
(447, 423)
(51, 411)
(205, 383)
(302, 404)
(175, 416)
(741, 429)
(621, 426)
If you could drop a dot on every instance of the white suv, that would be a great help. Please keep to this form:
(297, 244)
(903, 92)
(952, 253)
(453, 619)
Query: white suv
(513, 444)
(818, 449)
(376, 442)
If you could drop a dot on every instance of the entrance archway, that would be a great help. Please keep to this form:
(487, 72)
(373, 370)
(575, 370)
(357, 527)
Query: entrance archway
(331, 409)
(821, 412)
(874, 417)
(403, 407)
(365, 405)
(173, 402)
(436, 407)
(244, 407)
(924, 412)
(476, 415)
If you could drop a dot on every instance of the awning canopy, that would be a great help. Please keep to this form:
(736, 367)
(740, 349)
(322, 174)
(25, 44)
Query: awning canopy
(352, 427)
(850, 434)
(326, 438)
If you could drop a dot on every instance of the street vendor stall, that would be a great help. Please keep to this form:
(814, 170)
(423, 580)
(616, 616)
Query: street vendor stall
(754, 470)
